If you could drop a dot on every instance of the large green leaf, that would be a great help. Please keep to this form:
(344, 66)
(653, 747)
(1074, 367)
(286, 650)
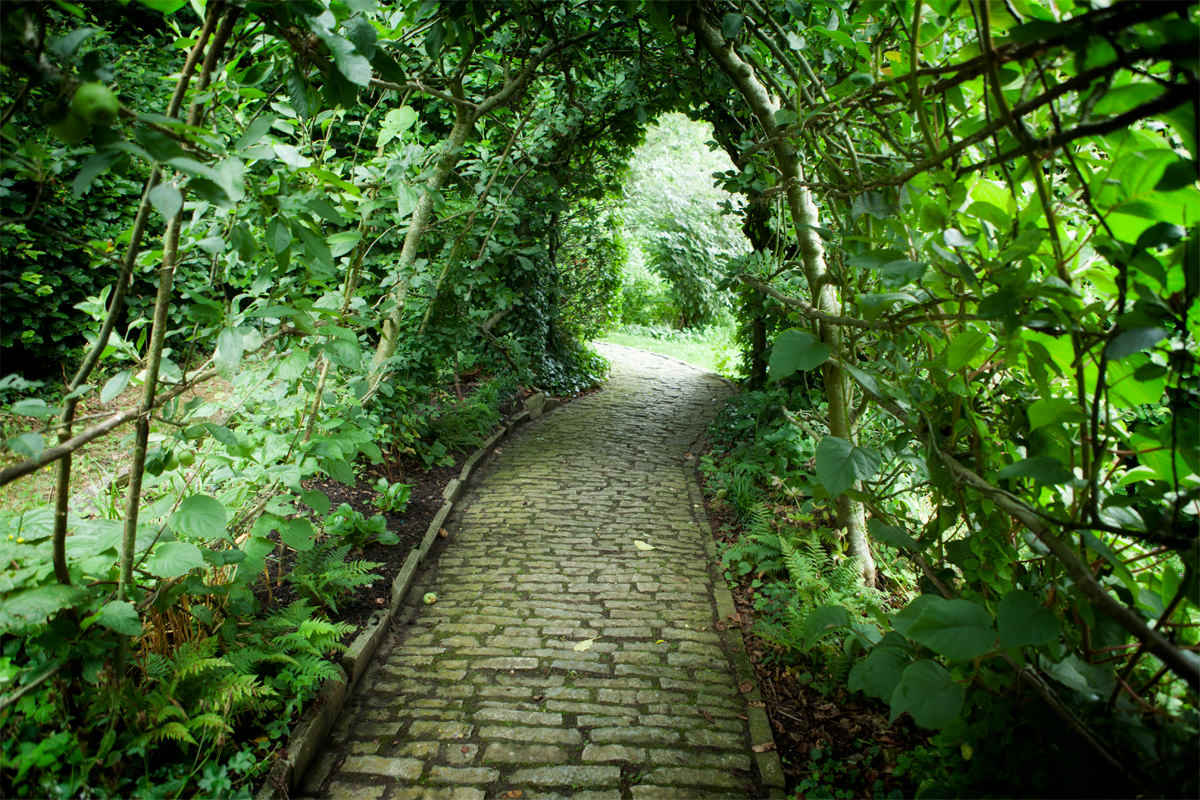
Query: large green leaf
(172, 559)
(840, 464)
(795, 350)
(957, 629)
(1045, 470)
(37, 605)
(1022, 620)
(200, 517)
(927, 692)
(880, 672)
(120, 616)
(963, 349)
(823, 621)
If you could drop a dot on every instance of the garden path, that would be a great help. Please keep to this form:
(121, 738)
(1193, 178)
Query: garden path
(575, 647)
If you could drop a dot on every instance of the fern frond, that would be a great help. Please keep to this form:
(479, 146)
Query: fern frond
(211, 723)
(175, 731)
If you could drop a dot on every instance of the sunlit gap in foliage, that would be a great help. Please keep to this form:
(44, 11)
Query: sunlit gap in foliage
(682, 232)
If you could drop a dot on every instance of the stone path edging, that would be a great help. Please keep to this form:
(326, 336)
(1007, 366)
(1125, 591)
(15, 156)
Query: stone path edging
(314, 726)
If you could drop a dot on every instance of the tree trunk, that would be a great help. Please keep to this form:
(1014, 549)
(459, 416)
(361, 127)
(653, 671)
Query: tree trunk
(851, 516)
(390, 334)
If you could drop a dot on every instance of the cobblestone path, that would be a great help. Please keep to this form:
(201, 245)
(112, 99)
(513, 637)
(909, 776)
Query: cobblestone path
(572, 650)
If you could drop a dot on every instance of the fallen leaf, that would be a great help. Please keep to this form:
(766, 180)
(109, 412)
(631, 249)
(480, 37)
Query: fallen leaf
(443, 533)
(515, 794)
(661, 641)
(378, 601)
(757, 705)
(745, 687)
(735, 618)
(722, 625)
(584, 645)
(466, 749)
(640, 545)
(764, 747)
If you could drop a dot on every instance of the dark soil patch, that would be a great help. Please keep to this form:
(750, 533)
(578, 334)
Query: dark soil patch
(834, 741)
(410, 527)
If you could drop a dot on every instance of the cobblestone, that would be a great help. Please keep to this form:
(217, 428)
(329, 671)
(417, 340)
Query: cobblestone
(561, 659)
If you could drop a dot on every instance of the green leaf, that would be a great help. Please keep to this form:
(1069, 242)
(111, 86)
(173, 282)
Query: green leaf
(199, 517)
(315, 499)
(164, 6)
(65, 46)
(824, 620)
(901, 273)
(963, 349)
(37, 605)
(892, 535)
(120, 616)
(279, 235)
(298, 534)
(927, 692)
(228, 356)
(255, 131)
(731, 25)
(115, 385)
(406, 199)
(339, 470)
(172, 559)
(1050, 410)
(395, 122)
(1045, 470)
(840, 464)
(29, 445)
(957, 629)
(795, 350)
(92, 169)
(1022, 620)
(1127, 343)
(353, 65)
(34, 407)
(880, 672)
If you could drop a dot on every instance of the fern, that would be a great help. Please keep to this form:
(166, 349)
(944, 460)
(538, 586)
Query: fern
(818, 580)
(324, 574)
(287, 650)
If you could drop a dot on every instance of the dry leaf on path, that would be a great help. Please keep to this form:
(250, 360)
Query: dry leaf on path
(764, 747)
(745, 687)
(584, 645)
(640, 545)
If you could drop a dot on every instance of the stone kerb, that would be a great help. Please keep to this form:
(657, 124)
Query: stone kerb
(315, 724)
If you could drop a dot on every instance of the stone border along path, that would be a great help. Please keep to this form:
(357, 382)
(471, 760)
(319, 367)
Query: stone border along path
(575, 647)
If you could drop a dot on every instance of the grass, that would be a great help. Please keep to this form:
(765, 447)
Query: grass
(711, 349)
(93, 465)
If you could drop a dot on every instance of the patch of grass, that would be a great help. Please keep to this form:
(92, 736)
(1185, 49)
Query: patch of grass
(711, 349)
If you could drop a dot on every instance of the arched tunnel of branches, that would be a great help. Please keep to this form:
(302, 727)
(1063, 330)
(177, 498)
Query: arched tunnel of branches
(957, 243)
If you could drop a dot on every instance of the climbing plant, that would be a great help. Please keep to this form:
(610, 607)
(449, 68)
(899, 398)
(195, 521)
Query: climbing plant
(973, 238)
(994, 211)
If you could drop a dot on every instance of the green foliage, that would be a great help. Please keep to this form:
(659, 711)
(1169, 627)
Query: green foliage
(356, 530)
(323, 574)
(675, 221)
(392, 497)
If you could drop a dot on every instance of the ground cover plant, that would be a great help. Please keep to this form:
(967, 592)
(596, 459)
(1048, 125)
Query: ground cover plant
(965, 466)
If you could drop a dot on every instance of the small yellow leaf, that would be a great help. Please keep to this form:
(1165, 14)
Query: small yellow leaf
(640, 545)
(584, 645)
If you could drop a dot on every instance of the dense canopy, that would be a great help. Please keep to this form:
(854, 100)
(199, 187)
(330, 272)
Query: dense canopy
(965, 291)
